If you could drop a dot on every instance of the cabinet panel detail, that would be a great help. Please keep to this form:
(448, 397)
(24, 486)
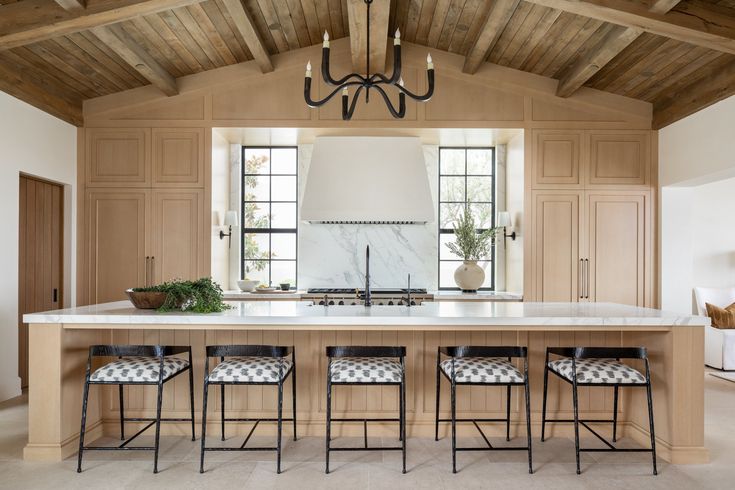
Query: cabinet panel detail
(176, 234)
(178, 157)
(118, 157)
(556, 246)
(619, 159)
(556, 159)
(117, 243)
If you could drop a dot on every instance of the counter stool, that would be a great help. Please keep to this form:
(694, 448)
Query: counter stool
(364, 365)
(599, 366)
(482, 366)
(249, 365)
(136, 365)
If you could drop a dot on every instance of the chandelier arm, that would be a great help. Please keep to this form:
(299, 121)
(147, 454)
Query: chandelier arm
(380, 78)
(328, 77)
(318, 103)
(429, 92)
(398, 114)
(348, 112)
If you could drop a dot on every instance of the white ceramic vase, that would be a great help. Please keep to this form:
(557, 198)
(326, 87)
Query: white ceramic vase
(469, 276)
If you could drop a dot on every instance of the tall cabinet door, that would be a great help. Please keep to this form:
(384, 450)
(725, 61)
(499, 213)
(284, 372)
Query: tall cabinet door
(618, 228)
(556, 245)
(177, 234)
(116, 242)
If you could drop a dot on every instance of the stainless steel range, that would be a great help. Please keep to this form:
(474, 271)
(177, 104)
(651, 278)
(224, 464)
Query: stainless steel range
(383, 297)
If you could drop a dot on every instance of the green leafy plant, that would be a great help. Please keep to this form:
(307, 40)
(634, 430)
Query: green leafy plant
(251, 219)
(200, 296)
(469, 244)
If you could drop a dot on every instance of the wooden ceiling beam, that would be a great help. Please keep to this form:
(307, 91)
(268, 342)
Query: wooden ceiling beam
(604, 51)
(246, 26)
(357, 15)
(709, 28)
(711, 87)
(138, 58)
(32, 21)
(16, 83)
(497, 18)
(72, 4)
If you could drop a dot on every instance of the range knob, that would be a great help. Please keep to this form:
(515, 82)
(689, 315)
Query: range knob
(341, 303)
(321, 302)
(413, 303)
(390, 303)
(353, 303)
(331, 303)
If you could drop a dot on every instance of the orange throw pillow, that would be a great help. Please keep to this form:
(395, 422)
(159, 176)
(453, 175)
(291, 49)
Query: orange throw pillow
(721, 317)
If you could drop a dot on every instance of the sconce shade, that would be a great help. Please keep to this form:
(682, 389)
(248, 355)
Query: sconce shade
(231, 218)
(504, 219)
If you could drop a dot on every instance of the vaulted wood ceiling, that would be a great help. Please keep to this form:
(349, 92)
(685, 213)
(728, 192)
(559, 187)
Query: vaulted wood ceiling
(678, 55)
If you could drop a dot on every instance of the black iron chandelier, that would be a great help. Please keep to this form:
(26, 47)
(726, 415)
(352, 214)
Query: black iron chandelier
(368, 82)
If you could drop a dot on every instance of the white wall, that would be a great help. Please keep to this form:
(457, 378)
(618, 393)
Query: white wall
(699, 148)
(696, 170)
(37, 144)
(220, 205)
(514, 205)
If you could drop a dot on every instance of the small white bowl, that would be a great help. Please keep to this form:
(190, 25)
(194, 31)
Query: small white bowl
(247, 285)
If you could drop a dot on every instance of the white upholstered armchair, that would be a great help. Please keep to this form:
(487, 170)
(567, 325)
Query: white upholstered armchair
(719, 345)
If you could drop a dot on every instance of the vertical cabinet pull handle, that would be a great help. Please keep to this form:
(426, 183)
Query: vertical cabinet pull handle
(55, 296)
(147, 259)
(587, 288)
(580, 277)
(153, 269)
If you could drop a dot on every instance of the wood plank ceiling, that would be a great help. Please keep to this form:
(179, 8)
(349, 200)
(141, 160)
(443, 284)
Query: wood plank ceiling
(677, 55)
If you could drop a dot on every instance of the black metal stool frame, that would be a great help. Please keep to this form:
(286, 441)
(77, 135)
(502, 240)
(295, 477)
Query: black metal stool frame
(508, 353)
(120, 351)
(223, 351)
(616, 353)
(368, 351)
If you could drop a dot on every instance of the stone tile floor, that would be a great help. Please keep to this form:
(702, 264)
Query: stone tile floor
(428, 463)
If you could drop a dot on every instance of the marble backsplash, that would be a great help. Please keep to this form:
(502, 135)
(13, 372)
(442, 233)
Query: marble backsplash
(334, 255)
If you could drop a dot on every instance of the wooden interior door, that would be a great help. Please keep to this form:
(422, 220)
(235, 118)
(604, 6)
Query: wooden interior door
(40, 256)
(116, 242)
(617, 231)
(556, 246)
(177, 234)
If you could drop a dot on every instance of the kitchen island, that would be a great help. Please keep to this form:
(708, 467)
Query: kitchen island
(59, 342)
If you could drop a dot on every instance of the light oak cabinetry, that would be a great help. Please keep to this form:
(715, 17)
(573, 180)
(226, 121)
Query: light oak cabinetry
(591, 216)
(144, 209)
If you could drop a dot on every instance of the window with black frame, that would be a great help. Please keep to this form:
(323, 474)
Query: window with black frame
(269, 214)
(466, 180)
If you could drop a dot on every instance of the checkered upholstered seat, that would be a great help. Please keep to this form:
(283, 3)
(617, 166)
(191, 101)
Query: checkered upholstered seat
(607, 371)
(136, 369)
(252, 369)
(365, 370)
(482, 370)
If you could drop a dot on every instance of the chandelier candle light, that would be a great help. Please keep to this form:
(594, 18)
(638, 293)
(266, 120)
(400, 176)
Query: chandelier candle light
(368, 82)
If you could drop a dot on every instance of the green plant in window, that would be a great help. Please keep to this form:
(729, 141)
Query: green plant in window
(250, 217)
(469, 243)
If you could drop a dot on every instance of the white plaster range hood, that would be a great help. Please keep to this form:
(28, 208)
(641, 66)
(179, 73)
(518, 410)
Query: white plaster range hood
(381, 180)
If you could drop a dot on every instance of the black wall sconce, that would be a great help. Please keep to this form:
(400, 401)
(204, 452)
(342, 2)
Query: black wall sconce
(505, 221)
(230, 221)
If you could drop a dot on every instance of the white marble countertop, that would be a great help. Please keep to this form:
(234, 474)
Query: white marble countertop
(437, 314)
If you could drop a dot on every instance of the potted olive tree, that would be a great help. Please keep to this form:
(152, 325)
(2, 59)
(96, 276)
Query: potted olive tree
(471, 246)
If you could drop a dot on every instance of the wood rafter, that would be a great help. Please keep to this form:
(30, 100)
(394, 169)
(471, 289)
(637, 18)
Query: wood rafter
(712, 86)
(246, 26)
(32, 21)
(72, 4)
(496, 20)
(604, 51)
(357, 14)
(121, 43)
(709, 28)
(32, 91)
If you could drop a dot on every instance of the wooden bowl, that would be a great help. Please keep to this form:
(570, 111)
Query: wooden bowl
(146, 300)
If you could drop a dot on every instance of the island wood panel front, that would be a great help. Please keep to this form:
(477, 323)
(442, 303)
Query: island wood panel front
(60, 356)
